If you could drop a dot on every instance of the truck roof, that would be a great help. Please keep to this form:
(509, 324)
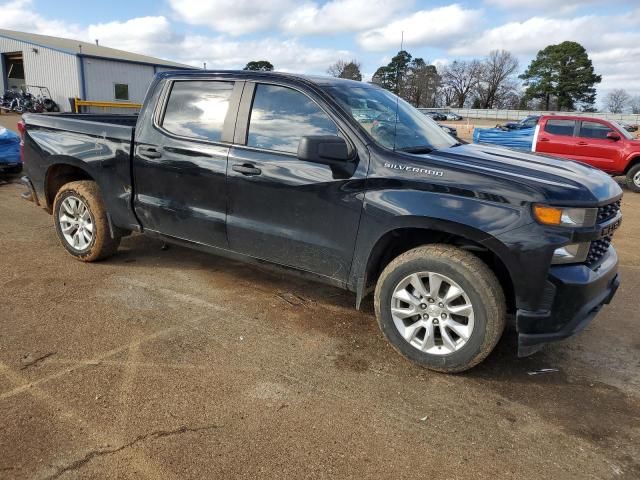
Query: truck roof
(572, 117)
(318, 80)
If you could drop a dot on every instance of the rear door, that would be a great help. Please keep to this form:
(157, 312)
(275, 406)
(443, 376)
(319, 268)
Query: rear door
(283, 209)
(593, 146)
(556, 137)
(180, 160)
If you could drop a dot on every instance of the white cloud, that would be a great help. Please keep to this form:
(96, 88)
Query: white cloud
(23, 16)
(610, 41)
(618, 67)
(155, 35)
(556, 6)
(428, 28)
(141, 35)
(288, 55)
(234, 17)
(340, 16)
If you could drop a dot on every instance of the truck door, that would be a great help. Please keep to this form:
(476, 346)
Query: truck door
(556, 137)
(180, 160)
(593, 146)
(283, 209)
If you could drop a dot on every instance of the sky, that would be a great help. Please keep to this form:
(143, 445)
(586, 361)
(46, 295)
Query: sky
(307, 36)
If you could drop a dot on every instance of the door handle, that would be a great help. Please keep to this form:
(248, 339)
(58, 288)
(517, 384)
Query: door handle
(583, 143)
(543, 139)
(246, 169)
(150, 152)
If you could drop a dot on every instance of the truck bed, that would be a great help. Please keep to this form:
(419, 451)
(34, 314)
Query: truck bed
(100, 145)
(113, 126)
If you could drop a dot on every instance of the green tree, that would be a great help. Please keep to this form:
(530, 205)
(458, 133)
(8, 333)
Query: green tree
(562, 74)
(259, 66)
(349, 70)
(393, 75)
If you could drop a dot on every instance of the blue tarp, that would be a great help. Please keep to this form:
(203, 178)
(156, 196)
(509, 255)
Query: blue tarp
(9, 146)
(520, 139)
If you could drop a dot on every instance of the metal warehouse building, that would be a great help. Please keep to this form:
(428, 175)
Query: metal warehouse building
(75, 69)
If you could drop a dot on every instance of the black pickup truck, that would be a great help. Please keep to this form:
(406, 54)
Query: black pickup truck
(344, 182)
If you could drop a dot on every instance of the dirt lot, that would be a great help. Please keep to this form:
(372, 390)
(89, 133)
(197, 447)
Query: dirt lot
(176, 364)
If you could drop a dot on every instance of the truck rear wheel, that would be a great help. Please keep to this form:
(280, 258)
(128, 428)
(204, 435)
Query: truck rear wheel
(441, 307)
(633, 178)
(81, 222)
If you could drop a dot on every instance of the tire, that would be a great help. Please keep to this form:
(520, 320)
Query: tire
(481, 304)
(100, 245)
(633, 178)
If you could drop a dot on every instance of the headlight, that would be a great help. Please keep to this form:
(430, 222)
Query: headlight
(568, 217)
(573, 253)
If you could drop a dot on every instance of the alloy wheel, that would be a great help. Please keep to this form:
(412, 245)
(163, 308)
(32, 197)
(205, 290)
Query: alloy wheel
(76, 223)
(432, 313)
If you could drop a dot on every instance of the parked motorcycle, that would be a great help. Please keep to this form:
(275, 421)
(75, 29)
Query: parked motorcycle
(25, 100)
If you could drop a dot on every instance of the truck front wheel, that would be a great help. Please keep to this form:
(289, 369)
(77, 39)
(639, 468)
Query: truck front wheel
(441, 307)
(81, 222)
(633, 178)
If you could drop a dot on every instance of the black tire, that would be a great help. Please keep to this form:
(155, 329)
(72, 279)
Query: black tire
(633, 178)
(479, 284)
(102, 245)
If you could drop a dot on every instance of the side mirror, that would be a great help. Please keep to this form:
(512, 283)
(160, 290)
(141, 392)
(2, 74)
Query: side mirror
(326, 149)
(615, 136)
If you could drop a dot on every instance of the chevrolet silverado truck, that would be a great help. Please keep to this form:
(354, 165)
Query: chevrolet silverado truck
(284, 169)
(603, 144)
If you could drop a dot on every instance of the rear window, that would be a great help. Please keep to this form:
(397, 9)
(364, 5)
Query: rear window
(594, 130)
(197, 109)
(560, 127)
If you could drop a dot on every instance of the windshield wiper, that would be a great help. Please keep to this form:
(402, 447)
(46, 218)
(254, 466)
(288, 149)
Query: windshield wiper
(416, 149)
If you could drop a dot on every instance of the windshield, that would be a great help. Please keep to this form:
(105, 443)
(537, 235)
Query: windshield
(375, 110)
(622, 130)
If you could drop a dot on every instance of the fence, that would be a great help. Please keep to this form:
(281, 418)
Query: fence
(78, 104)
(495, 114)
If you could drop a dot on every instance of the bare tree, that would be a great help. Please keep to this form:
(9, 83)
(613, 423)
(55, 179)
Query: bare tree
(635, 104)
(461, 77)
(342, 69)
(446, 96)
(421, 84)
(496, 78)
(617, 100)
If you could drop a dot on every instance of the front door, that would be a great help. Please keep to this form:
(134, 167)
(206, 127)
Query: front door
(593, 146)
(180, 162)
(283, 209)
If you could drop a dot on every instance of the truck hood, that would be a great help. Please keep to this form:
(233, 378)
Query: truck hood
(556, 179)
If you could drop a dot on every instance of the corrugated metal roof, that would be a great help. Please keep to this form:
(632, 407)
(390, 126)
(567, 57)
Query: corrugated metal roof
(85, 48)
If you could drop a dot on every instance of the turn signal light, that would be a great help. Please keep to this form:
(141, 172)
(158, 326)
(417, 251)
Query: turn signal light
(548, 215)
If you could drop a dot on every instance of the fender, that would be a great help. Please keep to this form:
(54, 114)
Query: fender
(631, 160)
(363, 257)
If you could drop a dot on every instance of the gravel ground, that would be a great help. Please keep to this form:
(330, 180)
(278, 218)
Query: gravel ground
(175, 364)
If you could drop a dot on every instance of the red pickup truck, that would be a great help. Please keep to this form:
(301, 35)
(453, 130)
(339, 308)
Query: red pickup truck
(600, 143)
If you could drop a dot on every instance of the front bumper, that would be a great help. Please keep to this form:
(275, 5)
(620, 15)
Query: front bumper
(574, 295)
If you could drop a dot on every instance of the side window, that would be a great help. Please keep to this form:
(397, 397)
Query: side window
(197, 109)
(121, 91)
(560, 127)
(281, 115)
(594, 130)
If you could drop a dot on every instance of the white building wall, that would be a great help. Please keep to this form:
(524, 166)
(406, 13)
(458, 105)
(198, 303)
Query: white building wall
(102, 75)
(49, 68)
